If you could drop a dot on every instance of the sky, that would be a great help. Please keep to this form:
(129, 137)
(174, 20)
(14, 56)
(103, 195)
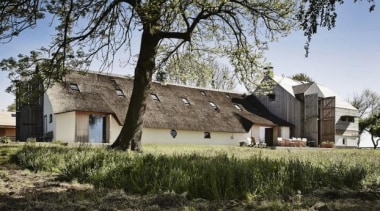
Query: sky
(344, 59)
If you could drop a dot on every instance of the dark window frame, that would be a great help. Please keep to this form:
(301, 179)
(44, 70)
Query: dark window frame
(207, 135)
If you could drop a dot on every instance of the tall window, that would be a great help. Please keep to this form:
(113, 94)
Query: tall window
(96, 129)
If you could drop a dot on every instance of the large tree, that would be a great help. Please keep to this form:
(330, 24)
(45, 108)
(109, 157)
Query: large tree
(302, 77)
(233, 29)
(314, 14)
(371, 124)
(368, 105)
(199, 70)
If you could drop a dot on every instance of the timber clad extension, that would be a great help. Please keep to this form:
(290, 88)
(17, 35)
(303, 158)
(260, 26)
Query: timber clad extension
(317, 113)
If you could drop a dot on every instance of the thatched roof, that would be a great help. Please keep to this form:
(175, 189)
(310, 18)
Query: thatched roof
(97, 93)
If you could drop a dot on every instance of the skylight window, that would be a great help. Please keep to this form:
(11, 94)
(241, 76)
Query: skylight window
(113, 81)
(238, 107)
(185, 101)
(213, 105)
(74, 87)
(228, 96)
(120, 93)
(155, 97)
(203, 93)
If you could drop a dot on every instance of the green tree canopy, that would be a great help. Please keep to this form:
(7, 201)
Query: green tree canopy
(198, 70)
(302, 77)
(237, 30)
(368, 105)
(11, 107)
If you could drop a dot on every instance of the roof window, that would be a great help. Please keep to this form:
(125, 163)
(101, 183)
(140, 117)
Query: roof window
(113, 81)
(120, 93)
(203, 93)
(185, 101)
(213, 105)
(155, 97)
(74, 87)
(238, 107)
(228, 96)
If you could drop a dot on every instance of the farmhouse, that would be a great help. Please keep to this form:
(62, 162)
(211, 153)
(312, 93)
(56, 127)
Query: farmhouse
(92, 107)
(316, 112)
(8, 124)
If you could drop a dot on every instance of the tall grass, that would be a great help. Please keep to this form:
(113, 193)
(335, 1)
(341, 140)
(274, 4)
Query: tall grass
(215, 174)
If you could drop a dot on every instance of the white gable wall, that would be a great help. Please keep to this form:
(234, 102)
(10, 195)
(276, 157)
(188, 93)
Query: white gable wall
(48, 110)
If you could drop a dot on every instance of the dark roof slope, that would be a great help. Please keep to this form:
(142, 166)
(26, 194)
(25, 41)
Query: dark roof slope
(300, 89)
(97, 93)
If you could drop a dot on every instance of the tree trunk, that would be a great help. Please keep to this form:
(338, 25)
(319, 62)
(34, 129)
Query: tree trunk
(130, 135)
(375, 142)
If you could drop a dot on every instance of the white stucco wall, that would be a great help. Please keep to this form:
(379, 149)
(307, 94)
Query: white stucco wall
(162, 136)
(65, 130)
(350, 141)
(285, 132)
(115, 129)
(47, 110)
(255, 132)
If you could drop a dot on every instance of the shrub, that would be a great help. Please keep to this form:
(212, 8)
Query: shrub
(218, 176)
(5, 140)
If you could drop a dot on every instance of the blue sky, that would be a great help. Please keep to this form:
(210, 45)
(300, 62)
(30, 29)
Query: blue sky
(345, 59)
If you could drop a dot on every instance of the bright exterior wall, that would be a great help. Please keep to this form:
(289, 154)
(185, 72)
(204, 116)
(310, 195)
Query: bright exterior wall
(47, 111)
(114, 130)
(66, 127)
(285, 132)
(348, 141)
(347, 133)
(255, 132)
(162, 136)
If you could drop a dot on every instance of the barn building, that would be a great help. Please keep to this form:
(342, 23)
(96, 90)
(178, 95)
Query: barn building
(92, 108)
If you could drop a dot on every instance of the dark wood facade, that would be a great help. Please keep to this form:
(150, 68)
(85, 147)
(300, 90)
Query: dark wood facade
(29, 111)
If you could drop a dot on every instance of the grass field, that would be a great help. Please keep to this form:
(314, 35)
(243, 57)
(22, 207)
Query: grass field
(282, 178)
